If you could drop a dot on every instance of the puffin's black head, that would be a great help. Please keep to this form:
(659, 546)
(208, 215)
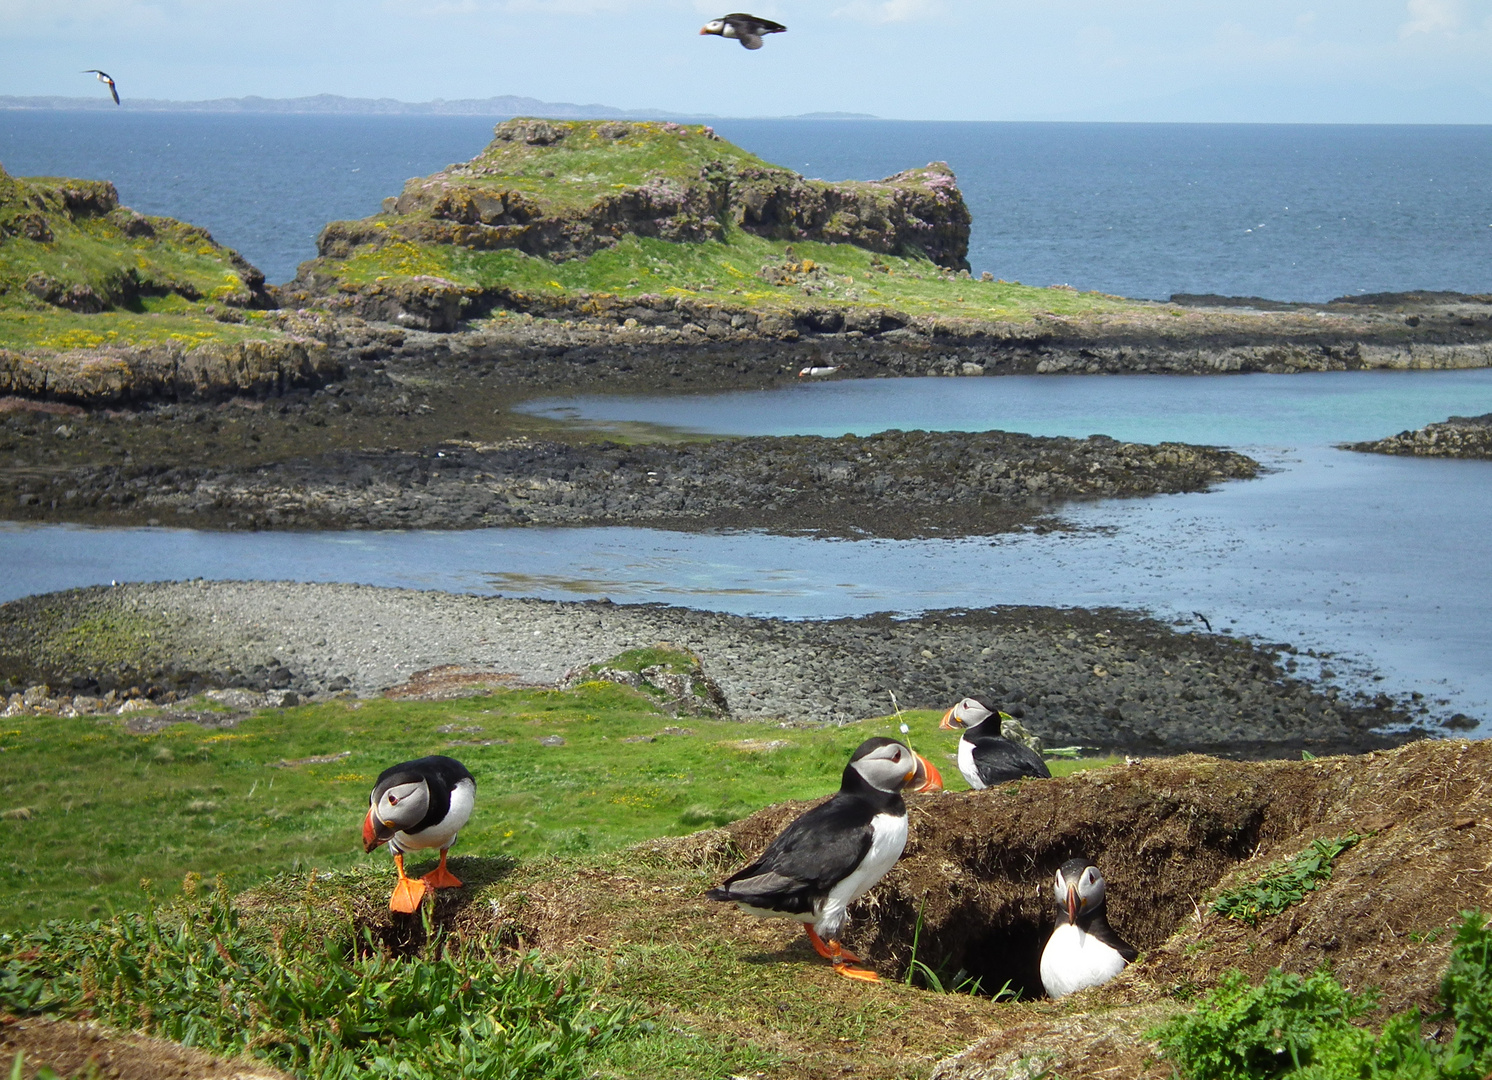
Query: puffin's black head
(888, 765)
(1079, 888)
(399, 800)
(970, 712)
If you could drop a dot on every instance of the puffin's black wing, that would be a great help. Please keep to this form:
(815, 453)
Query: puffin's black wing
(1101, 929)
(754, 24)
(440, 773)
(114, 90)
(999, 760)
(813, 854)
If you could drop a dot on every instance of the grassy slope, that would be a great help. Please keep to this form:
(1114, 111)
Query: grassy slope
(108, 807)
(842, 276)
(156, 284)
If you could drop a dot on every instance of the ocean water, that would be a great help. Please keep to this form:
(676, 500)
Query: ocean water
(1288, 212)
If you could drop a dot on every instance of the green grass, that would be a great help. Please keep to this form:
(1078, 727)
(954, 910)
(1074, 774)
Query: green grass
(586, 166)
(1304, 1028)
(334, 1008)
(154, 282)
(728, 272)
(106, 807)
(164, 320)
(1284, 883)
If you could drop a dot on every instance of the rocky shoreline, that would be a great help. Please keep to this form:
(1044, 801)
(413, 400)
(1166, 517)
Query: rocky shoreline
(1104, 679)
(896, 484)
(1458, 437)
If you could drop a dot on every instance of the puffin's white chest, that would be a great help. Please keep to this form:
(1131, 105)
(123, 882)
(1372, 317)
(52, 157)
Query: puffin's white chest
(443, 833)
(888, 838)
(966, 764)
(1073, 960)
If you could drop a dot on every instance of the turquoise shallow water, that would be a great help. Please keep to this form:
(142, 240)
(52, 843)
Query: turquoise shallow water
(1315, 409)
(1381, 561)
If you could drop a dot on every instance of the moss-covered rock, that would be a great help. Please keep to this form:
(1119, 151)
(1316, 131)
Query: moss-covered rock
(562, 191)
(69, 244)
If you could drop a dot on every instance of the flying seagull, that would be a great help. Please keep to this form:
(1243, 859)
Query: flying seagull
(747, 29)
(103, 77)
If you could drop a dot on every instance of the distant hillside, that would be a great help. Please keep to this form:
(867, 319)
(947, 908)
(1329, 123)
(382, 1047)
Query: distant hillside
(504, 106)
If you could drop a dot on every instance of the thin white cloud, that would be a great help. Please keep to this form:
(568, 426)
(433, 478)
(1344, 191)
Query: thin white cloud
(1432, 17)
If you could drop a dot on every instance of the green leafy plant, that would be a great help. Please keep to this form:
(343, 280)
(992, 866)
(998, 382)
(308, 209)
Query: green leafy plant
(1283, 883)
(331, 1008)
(1303, 1028)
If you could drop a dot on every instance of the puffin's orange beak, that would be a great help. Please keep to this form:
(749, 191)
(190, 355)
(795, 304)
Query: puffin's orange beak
(1072, 905)
(926, 776)
(370, 833)
(703, 32)
(950, 723)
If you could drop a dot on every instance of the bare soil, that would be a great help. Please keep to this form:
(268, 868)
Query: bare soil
(70, 1049)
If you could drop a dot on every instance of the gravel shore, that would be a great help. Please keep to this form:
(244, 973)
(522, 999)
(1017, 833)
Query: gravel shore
(1106, 678)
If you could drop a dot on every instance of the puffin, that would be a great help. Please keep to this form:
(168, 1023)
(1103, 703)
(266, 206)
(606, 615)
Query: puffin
(833, 854)
(986, 757)
(103, 77)
(747, 29)
(1084, 950)
(416, 805)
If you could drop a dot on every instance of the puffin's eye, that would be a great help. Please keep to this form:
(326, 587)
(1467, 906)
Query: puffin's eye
(393, 800)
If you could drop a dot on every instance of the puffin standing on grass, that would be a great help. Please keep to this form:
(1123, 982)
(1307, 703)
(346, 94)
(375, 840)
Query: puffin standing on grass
(833, 854)
(1084, 950)
(986, 757)
(418, 805)
(747, 29)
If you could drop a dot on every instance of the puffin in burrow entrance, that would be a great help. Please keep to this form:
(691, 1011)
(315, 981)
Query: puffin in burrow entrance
(1083, 950)
(103, 77)
(833, 854)
(986, 757)
(747, 29)
(419, 805)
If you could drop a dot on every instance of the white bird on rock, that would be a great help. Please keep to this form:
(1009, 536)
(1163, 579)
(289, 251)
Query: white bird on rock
(747, 29)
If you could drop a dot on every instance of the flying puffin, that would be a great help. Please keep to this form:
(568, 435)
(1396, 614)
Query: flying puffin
(1084, 950)
(985, 757)
(103, 77)
(747, 29)
(415, 805)
(833, 854)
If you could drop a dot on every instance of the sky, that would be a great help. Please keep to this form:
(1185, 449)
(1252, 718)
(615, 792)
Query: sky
(1347, 61)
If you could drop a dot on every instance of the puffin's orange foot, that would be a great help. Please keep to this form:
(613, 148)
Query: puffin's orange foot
(407, 896)
(441, 878)
(860, 974)
(833, 950)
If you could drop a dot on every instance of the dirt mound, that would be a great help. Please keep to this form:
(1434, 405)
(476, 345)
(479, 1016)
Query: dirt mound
(88, 1049)
(1167, 833)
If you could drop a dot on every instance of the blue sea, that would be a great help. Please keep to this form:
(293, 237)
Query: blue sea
(1287, 212)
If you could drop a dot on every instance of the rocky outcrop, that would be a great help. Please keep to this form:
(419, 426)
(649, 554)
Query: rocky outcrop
(567, 190)
(57, 212)
(1458, 437)
(919, 211)
(167, 370)
(895, 484)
